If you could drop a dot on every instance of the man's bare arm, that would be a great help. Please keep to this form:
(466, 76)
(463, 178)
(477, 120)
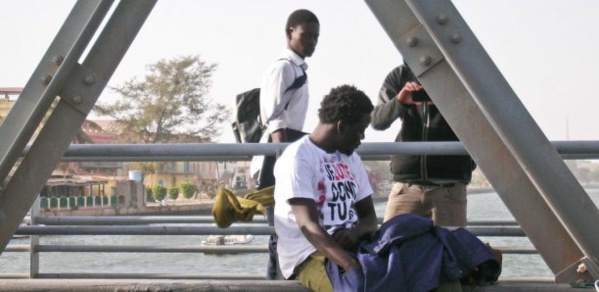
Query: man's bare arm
(306, 215)
(366, 226)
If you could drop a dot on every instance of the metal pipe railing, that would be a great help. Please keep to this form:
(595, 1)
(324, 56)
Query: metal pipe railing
(187, 249)
(154, 249)
(137, 220)
(143, 230)
(210, 230)
(170, 276)
(92, 225)
(131, 220)
(235, 152)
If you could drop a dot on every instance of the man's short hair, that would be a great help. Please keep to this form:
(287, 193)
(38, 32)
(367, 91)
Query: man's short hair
(299, 17)
(344, 103)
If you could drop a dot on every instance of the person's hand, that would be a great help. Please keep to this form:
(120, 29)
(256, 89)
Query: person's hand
(346, 238)
(405, 94)
(352, 264)
(346, 278)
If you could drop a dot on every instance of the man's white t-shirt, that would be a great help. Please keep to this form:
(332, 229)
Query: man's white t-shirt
(335, 181)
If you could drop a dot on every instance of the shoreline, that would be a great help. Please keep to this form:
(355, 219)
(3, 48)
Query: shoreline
(199, 207)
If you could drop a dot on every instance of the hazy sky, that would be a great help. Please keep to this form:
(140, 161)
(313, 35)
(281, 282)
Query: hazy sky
(546, 49)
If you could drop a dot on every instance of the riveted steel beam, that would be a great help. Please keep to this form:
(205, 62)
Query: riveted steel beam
(48, 79)
(79, 91)
(496, 129)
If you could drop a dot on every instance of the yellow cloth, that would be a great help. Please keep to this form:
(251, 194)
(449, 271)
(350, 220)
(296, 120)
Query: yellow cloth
(228, 208)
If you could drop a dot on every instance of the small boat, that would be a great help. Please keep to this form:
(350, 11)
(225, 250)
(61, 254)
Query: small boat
(227, 239)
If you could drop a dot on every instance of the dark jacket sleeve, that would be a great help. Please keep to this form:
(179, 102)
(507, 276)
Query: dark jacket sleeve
(388, 108)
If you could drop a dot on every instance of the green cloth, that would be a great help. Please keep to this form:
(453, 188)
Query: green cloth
(228, 208)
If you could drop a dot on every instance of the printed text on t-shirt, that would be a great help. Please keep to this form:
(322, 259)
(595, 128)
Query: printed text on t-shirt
(341, 193)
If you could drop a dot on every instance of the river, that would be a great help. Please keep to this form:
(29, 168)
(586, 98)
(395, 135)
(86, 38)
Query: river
(482, 206)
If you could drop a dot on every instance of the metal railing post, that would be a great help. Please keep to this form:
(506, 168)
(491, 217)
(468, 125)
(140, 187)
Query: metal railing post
(34, 255)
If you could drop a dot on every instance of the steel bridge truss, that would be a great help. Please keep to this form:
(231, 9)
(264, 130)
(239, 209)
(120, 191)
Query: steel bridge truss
(78, 86)
(524, 168)
(434, 40)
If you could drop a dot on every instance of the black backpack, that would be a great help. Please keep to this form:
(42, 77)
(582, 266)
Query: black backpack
(248, 126)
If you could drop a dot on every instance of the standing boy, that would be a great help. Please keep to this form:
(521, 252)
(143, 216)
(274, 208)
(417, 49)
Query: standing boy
(284, 102)
(283, 107)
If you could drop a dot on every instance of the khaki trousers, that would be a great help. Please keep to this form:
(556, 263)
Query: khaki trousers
(446, 206)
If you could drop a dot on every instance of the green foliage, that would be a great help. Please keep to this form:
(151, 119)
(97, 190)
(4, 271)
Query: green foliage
(159, 193)
(143, 166)
(170, 104)
(173, 193)
(149, 194)
(187, 189)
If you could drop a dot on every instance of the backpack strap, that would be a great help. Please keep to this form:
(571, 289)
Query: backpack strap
(297, 83)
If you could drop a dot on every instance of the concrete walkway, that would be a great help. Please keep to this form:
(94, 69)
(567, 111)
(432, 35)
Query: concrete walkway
(101, 285)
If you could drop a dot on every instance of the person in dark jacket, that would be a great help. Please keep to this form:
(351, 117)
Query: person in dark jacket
(425, 185)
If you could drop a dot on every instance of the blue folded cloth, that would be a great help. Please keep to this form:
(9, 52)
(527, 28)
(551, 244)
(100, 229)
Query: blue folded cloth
(409, 253)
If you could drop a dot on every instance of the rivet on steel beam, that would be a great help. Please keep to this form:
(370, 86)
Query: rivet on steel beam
(582, 268)
(455, 38)
(425, 60)
(57, 60)
(442, 19)
(412, 41)
(88, 80)
(46, 79)
(76, 99)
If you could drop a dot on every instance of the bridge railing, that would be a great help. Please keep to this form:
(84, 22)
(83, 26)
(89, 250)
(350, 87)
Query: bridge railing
(204, 225)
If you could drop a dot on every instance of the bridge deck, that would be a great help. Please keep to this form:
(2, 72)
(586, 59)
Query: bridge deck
(214, 285)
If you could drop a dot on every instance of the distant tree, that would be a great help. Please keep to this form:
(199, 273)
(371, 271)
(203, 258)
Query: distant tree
(173, 193)
(149, 195)
(187, 189)
(159, 193)
(169, 105)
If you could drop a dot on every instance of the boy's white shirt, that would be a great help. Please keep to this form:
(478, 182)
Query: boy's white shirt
(279, 76)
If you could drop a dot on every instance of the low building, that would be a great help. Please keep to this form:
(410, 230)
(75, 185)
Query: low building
(6, 102)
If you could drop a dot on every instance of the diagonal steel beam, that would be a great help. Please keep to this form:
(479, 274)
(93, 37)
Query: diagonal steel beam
(48, 78)
(496, 129)
(78, 95)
